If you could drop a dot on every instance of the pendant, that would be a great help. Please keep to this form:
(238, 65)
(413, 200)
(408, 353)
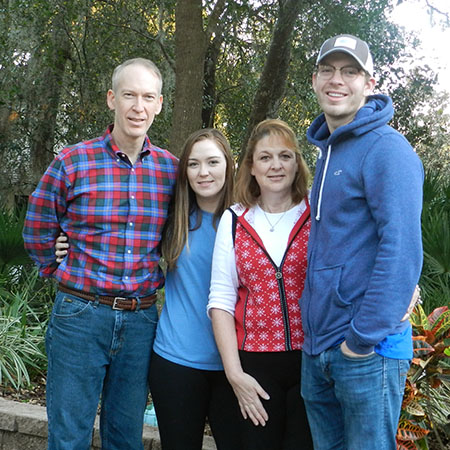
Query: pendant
(271, 230)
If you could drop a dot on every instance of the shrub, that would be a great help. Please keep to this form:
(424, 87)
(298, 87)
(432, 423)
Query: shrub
(25, 309)
(435, 279)
(25, 301)
(426, 404)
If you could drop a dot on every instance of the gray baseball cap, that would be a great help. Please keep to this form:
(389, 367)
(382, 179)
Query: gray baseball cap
(353, 46)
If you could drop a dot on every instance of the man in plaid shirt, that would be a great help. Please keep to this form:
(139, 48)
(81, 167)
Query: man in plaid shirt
(110, 196)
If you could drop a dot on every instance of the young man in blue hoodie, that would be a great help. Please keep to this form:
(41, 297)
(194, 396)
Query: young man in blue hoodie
(364, 257)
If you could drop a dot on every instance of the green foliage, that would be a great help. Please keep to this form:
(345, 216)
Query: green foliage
(435, 279)
(24, 311)
(426, 404)
(12, 251)
(95, 36)
(420, 114)
(98, 36)
(20, 352)
(24, 307)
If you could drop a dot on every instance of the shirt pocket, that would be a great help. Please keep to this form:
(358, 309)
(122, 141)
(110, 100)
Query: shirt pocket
(329, 310)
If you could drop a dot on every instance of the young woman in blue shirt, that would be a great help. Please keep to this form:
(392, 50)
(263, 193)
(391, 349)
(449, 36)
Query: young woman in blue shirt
(187, 381)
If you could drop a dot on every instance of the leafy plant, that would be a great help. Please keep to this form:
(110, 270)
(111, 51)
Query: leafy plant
(426, 404)
(24, 311)
(20, 351)
(435, 279)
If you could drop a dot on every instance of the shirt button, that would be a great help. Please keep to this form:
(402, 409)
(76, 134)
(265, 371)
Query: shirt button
(128, 251)
(126, 278)
(131, 224)
(132, 197)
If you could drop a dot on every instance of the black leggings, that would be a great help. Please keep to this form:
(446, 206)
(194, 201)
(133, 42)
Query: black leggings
(279, 375)
(184, 397)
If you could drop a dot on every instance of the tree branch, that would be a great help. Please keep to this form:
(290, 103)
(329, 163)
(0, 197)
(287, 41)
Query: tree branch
(213, 22)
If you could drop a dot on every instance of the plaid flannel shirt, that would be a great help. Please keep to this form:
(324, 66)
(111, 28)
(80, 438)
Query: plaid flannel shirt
(112, 211)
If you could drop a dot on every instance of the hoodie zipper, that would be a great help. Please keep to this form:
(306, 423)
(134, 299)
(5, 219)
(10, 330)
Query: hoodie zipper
(324, 174)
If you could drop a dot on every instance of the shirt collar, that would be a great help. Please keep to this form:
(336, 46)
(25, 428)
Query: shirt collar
(112, 147)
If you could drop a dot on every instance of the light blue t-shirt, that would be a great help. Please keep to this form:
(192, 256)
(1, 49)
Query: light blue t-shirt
(184, 334)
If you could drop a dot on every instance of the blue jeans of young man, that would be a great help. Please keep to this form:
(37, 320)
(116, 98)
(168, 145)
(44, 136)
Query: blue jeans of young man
(353, 403)
(94, 351)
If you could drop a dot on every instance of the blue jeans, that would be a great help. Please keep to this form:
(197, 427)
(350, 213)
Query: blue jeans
(353, 403)
(94, 351)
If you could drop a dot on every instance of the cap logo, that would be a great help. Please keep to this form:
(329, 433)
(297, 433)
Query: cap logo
(345, 41)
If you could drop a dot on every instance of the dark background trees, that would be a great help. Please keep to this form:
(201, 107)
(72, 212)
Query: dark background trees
(225, 64)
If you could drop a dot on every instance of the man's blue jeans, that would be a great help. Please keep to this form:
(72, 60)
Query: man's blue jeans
(353, 404)
(94, 351)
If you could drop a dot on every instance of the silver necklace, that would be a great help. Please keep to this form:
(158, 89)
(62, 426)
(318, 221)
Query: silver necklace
(273, 225)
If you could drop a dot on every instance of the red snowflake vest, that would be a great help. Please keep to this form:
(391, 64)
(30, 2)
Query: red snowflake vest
(267, 314)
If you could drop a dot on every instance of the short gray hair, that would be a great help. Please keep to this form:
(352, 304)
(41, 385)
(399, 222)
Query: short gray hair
(150, 65)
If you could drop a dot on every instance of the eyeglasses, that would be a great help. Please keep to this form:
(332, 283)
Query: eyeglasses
(348, 73)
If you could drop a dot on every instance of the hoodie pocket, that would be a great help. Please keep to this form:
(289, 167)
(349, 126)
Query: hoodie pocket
(329, 311)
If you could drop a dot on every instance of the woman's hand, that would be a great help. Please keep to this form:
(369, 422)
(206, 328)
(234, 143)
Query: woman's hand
(247, 390)
(61, 247)
(249, 393)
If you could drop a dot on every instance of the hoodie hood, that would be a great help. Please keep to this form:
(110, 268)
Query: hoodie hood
(376, 112)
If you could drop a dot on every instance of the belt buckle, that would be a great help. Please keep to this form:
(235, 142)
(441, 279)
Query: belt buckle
(114, 305)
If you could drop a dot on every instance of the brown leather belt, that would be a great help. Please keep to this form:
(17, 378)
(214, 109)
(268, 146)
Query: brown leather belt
(118, 303)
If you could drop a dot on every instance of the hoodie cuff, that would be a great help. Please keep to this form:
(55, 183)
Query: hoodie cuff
(355, 345)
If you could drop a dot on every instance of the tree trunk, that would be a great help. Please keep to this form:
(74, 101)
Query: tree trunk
(190, 47)
(48, 68)
(191, 43)
(272, 82)
(209, 92)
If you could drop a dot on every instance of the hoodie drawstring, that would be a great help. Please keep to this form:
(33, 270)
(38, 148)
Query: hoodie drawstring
(319, 201)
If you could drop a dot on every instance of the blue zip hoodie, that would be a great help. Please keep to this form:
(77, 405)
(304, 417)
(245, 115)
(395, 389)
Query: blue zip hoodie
(365, 246)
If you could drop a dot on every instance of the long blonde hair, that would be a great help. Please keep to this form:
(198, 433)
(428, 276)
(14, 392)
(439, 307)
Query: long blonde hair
(184, 203)
(247, 189)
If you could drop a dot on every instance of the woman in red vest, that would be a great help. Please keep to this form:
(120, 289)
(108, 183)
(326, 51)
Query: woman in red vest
(258, 273)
